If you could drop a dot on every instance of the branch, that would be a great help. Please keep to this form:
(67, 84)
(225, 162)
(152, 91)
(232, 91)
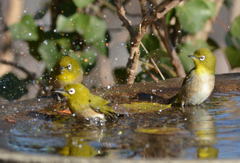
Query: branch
(31, 76)
(160, 73)
(123, 18)
(172, 54)
(150, 17)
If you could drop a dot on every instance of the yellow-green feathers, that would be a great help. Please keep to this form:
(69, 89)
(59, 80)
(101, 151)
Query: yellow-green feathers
(199, 82)
(205, 61)
(84, 104)
(65, 71)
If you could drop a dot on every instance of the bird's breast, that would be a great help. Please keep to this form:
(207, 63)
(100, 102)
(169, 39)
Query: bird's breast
(198, 90)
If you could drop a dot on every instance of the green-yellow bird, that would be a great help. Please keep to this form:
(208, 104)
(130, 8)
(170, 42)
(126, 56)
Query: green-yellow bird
(86, 105)
(199, 82)
(65, 71)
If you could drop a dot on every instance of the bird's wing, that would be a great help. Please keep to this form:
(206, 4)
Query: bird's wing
(98, 104)
(189, 77)
(186, 80)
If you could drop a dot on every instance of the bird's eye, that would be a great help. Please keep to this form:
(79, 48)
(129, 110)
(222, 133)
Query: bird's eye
(202, 58)
(69, 66)
(71, 91)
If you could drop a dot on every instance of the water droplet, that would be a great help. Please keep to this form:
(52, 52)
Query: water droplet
(45, 42)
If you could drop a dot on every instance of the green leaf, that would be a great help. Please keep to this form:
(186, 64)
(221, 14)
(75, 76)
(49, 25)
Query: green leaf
(64, 43)
(188, 49)
(194, 14)
(235, 27)
(96, 30)
(150, 42)
(64, 24)
(12, 87)
(41, 13)
(26, 29)
(49, 53)
(101, 46)
(92, 28)
(81, 23)
(33, 45)
(82, 3)
(86, 60)
(95, 34)
(233, 56)
(77, 22)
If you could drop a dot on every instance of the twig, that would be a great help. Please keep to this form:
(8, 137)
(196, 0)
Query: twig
(175, 61)
(123, 18)
(225, 27)
(152, 76)
(108, 5)
(160, 73)
(163, 8)
(31, 76)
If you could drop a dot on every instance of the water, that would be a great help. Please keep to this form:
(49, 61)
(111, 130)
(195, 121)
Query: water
(211, 130)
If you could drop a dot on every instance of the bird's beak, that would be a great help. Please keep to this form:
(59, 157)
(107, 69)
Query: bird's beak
(60, 68)
(59, 90)
(192, 56)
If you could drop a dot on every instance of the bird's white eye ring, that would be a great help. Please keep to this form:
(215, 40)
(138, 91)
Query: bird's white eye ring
(69, 66)
(71, 91)
(202, 58)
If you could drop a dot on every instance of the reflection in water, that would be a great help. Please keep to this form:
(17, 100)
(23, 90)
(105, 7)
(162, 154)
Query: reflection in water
(203, 125)
(81, 143)
(207, 131)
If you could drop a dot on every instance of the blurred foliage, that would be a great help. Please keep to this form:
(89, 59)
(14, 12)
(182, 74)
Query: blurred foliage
(232, 39)
(82, 35)
(12, 87)
(184, 22)
(194, 14)
(80, 31)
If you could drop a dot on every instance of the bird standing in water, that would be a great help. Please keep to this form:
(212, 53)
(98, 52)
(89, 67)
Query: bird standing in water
(199, 82)
(86, 105)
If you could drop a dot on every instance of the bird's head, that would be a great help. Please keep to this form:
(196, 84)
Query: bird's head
(74, 92)
(67, 66)
(204, 60)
